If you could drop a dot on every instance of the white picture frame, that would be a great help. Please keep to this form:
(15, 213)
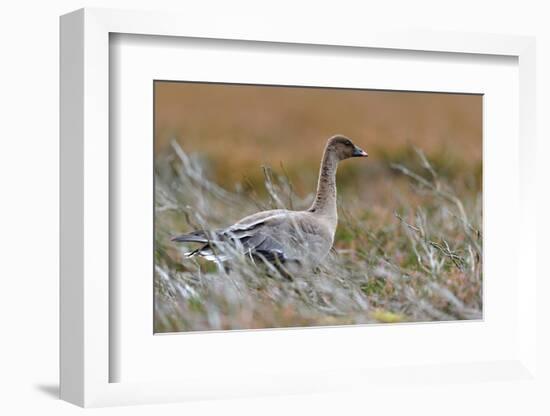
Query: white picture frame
(86, 356)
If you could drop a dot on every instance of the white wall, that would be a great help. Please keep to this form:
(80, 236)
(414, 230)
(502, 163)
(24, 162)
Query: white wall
(29, 207)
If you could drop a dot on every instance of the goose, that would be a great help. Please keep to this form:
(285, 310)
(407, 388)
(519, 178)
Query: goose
(282, 236)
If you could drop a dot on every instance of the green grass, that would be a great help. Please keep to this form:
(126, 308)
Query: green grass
(420, 260)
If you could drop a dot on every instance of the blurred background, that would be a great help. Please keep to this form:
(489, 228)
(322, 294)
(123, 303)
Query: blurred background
(235, 129)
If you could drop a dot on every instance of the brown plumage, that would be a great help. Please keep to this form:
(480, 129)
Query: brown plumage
(281, 236)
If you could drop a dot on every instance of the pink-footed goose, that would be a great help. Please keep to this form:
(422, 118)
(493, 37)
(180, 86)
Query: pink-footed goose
(280, 236)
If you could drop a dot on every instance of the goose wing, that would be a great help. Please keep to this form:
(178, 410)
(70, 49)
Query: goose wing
(255, 235)
(277, 235)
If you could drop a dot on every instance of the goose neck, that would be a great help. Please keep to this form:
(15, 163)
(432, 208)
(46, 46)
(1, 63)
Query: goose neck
(325, 198)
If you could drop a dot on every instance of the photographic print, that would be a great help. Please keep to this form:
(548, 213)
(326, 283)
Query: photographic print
(289, 206)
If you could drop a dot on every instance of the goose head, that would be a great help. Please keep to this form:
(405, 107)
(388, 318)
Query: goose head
(343, 148)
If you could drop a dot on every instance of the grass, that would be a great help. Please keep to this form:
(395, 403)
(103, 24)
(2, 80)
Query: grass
(418, 260)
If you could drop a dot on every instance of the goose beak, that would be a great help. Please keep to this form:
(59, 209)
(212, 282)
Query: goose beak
(358, 152)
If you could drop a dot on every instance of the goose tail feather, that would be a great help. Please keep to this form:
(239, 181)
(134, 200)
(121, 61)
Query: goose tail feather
(194, 237)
